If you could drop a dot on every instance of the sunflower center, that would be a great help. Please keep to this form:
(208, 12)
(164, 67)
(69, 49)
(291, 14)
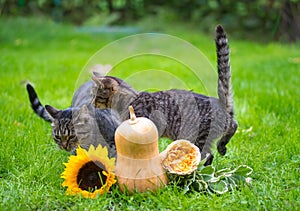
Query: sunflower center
(90, 176)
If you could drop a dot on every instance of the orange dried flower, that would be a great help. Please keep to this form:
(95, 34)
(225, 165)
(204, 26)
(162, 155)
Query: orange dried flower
(181, 157)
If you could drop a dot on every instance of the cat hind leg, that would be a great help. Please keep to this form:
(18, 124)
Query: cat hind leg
(221, 146)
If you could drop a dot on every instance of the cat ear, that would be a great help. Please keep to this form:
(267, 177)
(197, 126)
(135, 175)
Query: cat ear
(83, 114)
(98, 75)
(97, 78)
(52, 111)
(84, 109)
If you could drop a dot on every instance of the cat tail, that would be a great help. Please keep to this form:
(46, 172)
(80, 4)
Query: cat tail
(224, 80)
(36, 105)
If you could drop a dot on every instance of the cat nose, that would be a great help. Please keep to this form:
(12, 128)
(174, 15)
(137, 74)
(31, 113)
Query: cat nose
(65, 145)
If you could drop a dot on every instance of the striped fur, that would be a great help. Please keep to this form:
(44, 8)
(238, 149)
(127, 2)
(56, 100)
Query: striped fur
(112, 92)
(80, 124)
(180, 114)
(224, 81)
(36, 105)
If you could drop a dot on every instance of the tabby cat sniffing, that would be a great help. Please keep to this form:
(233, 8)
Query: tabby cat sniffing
(179, 114)
(80, 124)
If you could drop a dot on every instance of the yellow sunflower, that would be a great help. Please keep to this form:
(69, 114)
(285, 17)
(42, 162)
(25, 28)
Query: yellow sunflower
(89, 173)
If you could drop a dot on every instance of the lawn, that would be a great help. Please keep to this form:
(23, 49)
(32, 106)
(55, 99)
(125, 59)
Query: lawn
(265, 77)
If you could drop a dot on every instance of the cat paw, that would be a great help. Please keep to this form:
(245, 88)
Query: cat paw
(222, 149)
(209, 160)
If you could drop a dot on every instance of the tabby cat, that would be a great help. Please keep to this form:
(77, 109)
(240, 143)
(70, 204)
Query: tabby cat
(81, 124)
(179, 114)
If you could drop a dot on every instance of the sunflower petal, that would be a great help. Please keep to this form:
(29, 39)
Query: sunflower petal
(78, 161)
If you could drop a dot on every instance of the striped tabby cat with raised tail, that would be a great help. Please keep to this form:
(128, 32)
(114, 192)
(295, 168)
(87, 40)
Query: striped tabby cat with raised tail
(179, 114)
(81, 124)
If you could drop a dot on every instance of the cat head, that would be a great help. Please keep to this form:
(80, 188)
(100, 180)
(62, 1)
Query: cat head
(105, 86)
(64, 124)
(112, 92)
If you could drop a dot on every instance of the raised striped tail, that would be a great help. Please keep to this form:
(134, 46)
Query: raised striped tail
(36, 105)
(224, 81)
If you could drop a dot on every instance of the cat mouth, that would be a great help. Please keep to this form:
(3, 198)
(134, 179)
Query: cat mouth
(67, 146)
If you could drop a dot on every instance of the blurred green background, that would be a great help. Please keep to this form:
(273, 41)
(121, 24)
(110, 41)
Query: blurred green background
(48, 43)
(274, 19)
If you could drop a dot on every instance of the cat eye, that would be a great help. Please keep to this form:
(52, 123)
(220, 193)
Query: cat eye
(57, 137)
(71, 137)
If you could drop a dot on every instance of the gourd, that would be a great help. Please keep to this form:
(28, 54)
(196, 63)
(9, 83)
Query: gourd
(138, 165)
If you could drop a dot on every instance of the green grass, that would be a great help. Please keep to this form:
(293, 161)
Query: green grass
(266, 80)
